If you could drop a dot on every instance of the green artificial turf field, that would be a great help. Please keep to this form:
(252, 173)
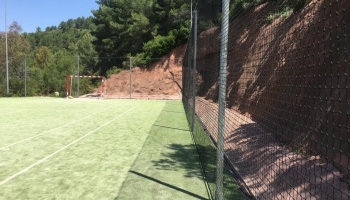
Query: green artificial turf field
(54, 148)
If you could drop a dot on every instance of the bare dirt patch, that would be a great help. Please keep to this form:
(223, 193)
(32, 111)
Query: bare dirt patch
(162, 80)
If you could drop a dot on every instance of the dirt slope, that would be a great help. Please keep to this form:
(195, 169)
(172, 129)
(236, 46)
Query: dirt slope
(162, 80)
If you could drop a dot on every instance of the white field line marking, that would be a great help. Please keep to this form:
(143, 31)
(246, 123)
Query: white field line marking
(43, 109)
(37, 135)
(11, 111)
(63, 148)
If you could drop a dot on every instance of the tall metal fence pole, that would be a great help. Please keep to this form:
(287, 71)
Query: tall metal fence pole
(25, 75)
(7, 57)
(130, 75)
(194, 72)
(222, 99)
(78, 75)
(188, 73)
(191, 14)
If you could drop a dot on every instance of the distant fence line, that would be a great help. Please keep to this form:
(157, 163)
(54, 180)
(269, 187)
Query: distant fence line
(286, 96)
(27, 77)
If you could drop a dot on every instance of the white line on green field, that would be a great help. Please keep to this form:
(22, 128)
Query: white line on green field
(37, 135)
(9, 111)
(63, 148)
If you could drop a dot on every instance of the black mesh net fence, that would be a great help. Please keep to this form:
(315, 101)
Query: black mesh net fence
(287, 95)
(12, 73)
(124, 77)
(195, 83)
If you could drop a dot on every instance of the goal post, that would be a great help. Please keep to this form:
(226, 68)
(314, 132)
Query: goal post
(70, 77)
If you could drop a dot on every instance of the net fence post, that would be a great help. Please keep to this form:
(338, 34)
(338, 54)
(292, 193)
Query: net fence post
(194, 77)
(130, 76)
(78, 77)
(7, 57)
(25, 75)
(188, 78)
(222, 100)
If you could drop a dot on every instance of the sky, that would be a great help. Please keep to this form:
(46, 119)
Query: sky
(31, 14)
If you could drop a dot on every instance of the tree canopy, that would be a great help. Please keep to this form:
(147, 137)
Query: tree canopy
(119, 28)
(137, 28)
(144, 29)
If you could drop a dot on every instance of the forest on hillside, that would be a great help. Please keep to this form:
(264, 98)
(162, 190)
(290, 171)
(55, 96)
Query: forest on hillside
(101, 44)
(142, 29)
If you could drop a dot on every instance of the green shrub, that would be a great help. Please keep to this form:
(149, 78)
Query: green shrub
(240, 6)
(160, 46)
(7, 94)
(141, 61)
(299, 4)
(284, 7)
(283, 10)
(113, 70)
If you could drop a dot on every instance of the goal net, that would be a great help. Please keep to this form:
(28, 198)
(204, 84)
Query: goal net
(73, 83)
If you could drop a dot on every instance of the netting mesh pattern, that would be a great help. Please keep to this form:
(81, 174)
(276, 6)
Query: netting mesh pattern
(287, 95)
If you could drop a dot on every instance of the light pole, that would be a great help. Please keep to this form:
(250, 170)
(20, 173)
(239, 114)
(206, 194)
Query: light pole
(7, 57)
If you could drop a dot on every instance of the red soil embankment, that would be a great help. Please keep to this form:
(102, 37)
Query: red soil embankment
(162, 80)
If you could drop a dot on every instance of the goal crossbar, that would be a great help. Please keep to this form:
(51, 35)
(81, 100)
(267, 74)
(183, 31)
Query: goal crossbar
(69, 77)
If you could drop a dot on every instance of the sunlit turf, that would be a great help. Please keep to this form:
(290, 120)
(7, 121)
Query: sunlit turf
(53, 148)
(167, 158)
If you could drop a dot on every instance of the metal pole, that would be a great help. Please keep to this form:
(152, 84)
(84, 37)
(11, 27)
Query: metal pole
(71, 85)
(194, 72)
(7, 56)
(222, 99)
(105, 95)
(25, 75)
(191, 14)
(130, 75)
(78, 75)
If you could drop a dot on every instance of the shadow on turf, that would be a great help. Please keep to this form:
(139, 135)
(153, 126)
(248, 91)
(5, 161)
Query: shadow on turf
(171, 111)
(93, 95)
(180, 157)
(168, 185)
(171, 128)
